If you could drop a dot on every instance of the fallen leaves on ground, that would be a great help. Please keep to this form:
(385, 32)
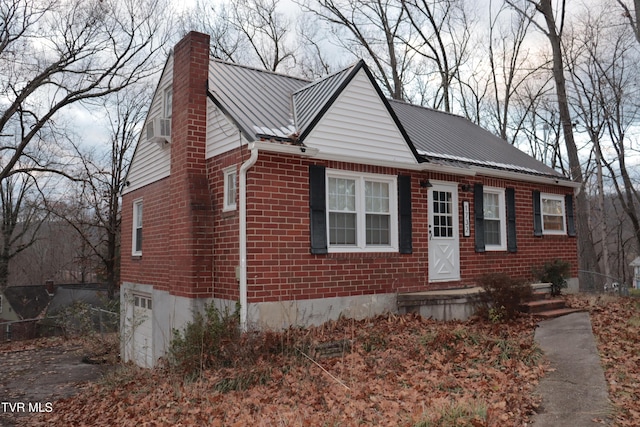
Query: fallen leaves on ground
(398, 370)
(616, 324)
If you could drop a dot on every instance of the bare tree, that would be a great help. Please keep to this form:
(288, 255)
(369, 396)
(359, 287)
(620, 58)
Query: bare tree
(605, 81)
(554, 23)
(632, 17)
(56, 54)
(217, 21)
(372, 30)
(314, 59)
(265, 29)
(248, 32)
(536, 122)
(441, 36)
(21, 220)
(94, 211)
(511, 72)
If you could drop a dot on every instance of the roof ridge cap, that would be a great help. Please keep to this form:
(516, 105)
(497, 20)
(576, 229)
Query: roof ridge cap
(328, 76)
(398, 101)
(261, 70)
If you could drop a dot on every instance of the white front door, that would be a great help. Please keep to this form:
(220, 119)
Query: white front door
(444, 243)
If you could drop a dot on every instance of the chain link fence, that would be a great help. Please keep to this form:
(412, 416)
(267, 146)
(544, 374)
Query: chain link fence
(16, 330)
(602, 283)
(77, 320)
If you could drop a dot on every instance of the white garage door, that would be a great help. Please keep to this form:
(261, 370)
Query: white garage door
(142, 331)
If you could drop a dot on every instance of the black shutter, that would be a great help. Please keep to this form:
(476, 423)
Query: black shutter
(404, 214)
(512, 245)
(537, 214)
(317, 203)
(478, 211)
(571, 222)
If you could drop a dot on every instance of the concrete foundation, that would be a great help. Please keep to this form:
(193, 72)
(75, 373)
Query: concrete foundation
(453, 304)
(172, 312)
(169, 313)
(282, 314)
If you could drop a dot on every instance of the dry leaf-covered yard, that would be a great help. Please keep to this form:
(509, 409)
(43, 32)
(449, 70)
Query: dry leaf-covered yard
(616, 325)
(396, 370)
(399, 370)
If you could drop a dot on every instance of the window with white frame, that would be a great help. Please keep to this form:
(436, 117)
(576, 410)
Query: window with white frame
(495, 228)
(361, 212)
(136, 247)
(552, 207)
(167, 103)
(230, 189)
(142, 301)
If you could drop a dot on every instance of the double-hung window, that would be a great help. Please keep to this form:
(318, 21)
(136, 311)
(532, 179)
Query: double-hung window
(495, 229)
(230, 191)
(167, 103)
(361, 212)
(136, 247)
(552, 213)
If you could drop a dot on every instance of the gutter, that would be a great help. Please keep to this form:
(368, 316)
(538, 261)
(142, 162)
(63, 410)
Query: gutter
(243, 234)
(538, 179)
(254, 148)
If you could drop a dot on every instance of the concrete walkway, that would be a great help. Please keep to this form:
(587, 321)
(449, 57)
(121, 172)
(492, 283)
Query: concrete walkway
(575, 393)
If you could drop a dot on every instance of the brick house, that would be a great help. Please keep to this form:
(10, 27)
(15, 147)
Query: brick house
(304, 201)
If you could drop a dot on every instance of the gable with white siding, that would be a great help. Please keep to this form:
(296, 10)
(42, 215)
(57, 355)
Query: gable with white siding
(151, 161)
(222, 134)
(358, 126)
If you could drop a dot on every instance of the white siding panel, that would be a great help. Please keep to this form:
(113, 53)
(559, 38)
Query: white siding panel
(358, 125)
(151, 161)
(222, 134)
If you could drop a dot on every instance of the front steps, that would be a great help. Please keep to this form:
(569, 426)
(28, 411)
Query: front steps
(460, 304)
(542, 304)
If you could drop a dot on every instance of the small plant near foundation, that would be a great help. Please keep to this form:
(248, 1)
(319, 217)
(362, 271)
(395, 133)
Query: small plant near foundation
(206, 341)
(213, 340)
(502, 296)
(555, 272)
(496, 314)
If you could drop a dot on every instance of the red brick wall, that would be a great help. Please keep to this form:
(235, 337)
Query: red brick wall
(152, 267)
(532, 251)
(226, 227)
(280, 266)
(191, 232)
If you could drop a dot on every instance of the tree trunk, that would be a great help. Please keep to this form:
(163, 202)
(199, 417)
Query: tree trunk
(4, 272)
(603, 221)
(586, 253)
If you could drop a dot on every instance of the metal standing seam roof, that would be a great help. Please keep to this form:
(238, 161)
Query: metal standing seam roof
(267, 104)
(310, 100)
(449, 137)
(258, 100)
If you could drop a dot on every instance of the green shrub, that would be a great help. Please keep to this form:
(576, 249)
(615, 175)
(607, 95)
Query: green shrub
(502, 296)
(75, 320)
(555, 272)
(214, 340)
(207, 341)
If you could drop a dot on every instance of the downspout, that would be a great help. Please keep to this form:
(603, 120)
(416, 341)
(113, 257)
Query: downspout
(243, 234)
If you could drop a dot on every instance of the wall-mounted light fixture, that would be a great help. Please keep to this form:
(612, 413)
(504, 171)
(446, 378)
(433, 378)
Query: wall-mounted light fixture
(465, 187)
(425, 184)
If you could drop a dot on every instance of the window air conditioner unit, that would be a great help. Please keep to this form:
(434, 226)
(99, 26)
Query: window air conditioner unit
(159, 130)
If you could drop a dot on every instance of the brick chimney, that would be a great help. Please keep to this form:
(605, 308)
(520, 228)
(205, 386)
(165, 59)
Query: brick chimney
(191, 230)
(50, 287)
